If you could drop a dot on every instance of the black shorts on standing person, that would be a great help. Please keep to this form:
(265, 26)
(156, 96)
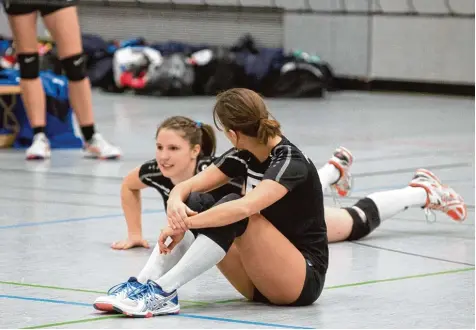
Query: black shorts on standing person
(44, 7)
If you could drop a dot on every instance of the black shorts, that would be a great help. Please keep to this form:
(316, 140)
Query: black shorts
(22, 8)
(312, 289)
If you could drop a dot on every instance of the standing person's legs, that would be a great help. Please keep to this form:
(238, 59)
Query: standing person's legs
(64, 28)
(22, 20)
(63, 25)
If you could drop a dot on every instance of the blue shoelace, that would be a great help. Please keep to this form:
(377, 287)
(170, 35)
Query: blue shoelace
(119, 287)
(142, 291)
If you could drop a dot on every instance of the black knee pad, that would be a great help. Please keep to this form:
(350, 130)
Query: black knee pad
(75, 67)
(200, 202)
(29, 65)
(361, 228)
(224, 235)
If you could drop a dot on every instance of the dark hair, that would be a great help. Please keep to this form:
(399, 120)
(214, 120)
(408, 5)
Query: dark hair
(193, 131)
(243, 110)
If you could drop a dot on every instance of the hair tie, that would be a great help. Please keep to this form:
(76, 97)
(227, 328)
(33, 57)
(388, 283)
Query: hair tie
(199, 124)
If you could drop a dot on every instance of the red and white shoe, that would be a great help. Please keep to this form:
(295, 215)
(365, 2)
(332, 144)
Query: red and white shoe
(440, 197)
(116, 293)
(98, 147)
(40, 148)
(342, 159)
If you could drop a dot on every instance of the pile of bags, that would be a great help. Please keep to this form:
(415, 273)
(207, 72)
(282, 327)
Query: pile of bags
(178, 69)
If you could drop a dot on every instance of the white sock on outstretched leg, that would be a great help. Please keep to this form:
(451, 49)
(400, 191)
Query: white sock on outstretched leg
(392, 202)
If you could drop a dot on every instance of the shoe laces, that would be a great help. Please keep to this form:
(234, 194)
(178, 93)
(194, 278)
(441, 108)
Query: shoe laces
(120, 287)
(429, 211)
(430, 215)
(335, 197)
(142, 291)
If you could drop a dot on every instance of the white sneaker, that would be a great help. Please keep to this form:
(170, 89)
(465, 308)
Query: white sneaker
(147, 301)
(116, 293)
(440, 197)
(100, 148)
(342, 159)
(40, 148)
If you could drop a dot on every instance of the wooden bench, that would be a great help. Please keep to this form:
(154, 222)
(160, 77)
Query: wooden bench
(10, 122)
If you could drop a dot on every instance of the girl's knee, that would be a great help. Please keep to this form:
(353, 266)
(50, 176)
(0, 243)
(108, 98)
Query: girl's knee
(257, 222)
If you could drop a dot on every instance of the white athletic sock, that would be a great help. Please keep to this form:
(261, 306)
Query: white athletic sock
(158, 264)
(392, 202)
(202, 255)
(328, 174)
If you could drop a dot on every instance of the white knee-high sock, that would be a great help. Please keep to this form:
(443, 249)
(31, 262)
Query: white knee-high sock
(392, 202)
(328, 174)
(202, 255)
(158, 264)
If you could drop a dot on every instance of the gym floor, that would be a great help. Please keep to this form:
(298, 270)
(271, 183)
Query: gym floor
(58, 219)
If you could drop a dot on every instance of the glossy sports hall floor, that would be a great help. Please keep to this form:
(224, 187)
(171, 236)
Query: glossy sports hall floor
(58, 219)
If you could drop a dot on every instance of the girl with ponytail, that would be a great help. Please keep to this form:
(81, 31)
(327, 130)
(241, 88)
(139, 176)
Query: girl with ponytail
(184, 147)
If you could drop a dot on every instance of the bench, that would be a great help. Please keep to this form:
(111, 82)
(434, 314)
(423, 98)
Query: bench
(8, 100)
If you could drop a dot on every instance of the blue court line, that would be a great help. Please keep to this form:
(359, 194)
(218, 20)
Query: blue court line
(54, 301)
(34, 224)
(193, 316)
(221, 319)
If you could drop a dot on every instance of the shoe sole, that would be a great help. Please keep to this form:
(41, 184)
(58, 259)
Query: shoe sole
(455, 215)
(147, 315)
(103, 307)
(38, 157)
(102, 158)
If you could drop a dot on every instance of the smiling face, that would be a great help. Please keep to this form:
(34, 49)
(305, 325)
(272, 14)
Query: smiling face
(175, 155)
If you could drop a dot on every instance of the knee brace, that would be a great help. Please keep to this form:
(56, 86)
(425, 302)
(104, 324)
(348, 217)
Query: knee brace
(75, 67)
(367, 222)
(29, 65)
(200, 202)
(225, 235)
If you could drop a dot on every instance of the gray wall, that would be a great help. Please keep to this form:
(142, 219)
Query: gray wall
(423, 49)
(341, 40)
(5, 29)
(186, 25)
(375, 39)
(368, 39)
